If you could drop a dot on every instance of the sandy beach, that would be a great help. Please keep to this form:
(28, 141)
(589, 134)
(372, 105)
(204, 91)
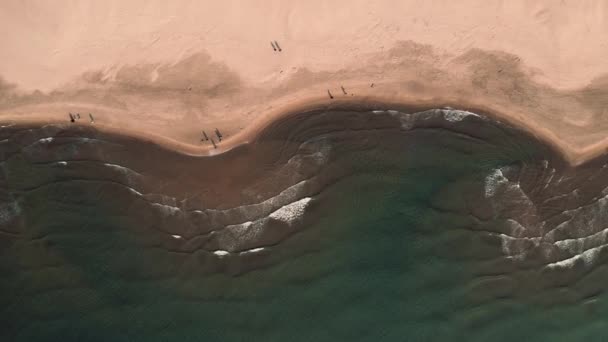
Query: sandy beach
(167, 72)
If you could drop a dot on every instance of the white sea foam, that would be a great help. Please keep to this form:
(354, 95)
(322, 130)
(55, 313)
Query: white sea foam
(493, 181)
(588, 257)
(406, 119)
(584, 220)
(166, 210)
(252, 251)
(236, 236)
(579, 245)
(221, 252)
(583, 234)
(456, 115)
(135, 192)
(45, 140)
(548, 181)
(291, 212)
(255, 211)
(516, 247)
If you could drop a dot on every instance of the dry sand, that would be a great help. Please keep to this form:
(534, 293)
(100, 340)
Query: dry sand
(166, 71)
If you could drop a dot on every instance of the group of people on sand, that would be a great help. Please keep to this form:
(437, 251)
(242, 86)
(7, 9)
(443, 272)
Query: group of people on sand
(206, 138)
(76, 116)
(332, 97)
(344, 91)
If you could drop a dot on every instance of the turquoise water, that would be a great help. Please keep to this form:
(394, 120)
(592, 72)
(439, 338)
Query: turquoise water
(389, 249)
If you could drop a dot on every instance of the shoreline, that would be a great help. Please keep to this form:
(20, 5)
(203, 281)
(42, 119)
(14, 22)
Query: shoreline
(572, 155)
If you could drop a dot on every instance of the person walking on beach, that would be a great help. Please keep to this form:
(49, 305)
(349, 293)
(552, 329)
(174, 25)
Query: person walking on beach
(330, 95)
(91, 116)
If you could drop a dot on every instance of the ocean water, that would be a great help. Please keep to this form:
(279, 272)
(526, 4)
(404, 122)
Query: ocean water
(353, 224)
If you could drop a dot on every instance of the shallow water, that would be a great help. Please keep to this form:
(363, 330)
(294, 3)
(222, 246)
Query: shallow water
(439, 225)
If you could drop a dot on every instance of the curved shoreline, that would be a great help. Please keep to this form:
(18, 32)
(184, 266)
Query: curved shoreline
(572, 155)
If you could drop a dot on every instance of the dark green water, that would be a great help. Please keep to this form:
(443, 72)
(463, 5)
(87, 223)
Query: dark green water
(396, 243)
